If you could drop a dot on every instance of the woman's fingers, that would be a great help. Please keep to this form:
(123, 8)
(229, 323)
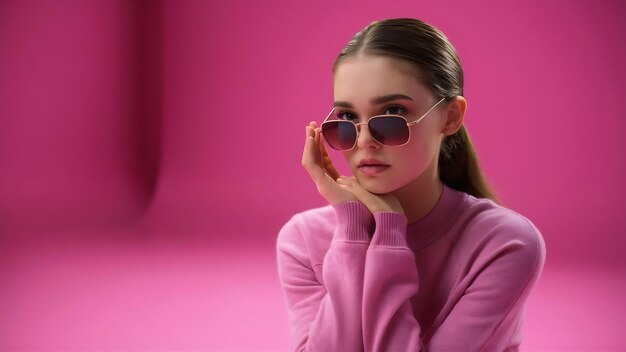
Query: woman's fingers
(328, 164)
(311, 157)
(317, 163)
(315, 156)
(359, 192)
(374, 202)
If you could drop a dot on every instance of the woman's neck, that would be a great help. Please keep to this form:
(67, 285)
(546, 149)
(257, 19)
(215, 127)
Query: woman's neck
(420, 196)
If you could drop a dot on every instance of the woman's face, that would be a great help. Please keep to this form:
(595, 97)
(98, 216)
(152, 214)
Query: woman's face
(358, 81)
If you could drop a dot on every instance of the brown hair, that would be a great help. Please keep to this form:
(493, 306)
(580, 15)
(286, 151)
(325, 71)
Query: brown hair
(438, 66)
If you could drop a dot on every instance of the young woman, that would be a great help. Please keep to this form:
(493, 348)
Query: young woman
(413, 251)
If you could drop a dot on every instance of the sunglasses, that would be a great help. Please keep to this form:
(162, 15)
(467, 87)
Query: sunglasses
(389, 130)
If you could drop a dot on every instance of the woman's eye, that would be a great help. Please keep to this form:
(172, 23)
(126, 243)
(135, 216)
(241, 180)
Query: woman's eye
(394, 110)
(347, 116)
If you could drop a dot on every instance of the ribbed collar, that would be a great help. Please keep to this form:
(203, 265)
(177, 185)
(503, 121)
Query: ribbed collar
(438, 221)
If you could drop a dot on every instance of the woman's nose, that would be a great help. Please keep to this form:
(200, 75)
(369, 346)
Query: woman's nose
(365, 139)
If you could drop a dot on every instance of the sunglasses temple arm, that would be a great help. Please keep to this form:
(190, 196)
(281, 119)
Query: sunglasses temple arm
(429, 110)
(327, 116)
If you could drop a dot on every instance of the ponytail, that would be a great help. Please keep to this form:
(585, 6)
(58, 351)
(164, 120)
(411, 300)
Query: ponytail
(459, 167)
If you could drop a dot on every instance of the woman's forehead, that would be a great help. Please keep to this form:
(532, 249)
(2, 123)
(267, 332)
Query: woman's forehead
(366, 77)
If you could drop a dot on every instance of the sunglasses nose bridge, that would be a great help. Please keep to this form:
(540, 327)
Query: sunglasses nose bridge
(358, 125)
(361, 139)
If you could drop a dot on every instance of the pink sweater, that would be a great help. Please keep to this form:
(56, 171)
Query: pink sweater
(456, 280)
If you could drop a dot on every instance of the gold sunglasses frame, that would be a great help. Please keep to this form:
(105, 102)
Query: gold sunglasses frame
(358, 130)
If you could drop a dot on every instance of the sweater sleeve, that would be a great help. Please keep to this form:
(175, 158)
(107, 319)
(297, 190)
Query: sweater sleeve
(484, 316)
(325, 316)
(390, 280)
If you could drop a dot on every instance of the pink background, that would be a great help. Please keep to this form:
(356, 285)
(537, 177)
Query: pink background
(150, 152)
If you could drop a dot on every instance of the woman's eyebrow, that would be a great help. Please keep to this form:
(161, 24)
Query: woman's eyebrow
(375, 101)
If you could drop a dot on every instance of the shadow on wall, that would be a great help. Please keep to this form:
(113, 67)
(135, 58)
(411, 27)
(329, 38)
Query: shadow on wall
(80, 113)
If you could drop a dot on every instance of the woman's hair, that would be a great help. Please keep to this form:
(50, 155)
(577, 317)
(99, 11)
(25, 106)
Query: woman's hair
(437, 65)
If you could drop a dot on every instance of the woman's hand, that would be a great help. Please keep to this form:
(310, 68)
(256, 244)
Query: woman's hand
(317, 163)
(373, 202)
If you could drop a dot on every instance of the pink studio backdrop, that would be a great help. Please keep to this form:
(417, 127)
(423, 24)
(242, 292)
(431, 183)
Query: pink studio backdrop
(150, 152)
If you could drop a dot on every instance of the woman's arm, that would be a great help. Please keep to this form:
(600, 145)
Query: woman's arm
(390, 280)
(484, 315)
(326, 316)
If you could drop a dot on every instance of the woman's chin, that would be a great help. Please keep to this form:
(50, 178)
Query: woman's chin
(376, 187)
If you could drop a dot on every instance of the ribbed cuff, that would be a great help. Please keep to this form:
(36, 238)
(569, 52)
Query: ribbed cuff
(390, 229)
(353, 221)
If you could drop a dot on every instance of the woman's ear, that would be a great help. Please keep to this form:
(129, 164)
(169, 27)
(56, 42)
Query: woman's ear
(454, 113)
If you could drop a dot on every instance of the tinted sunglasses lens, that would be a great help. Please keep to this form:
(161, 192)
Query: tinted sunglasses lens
(340, 135)
(389, 130)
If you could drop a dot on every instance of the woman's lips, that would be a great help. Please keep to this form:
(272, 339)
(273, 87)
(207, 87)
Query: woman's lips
(373, 169)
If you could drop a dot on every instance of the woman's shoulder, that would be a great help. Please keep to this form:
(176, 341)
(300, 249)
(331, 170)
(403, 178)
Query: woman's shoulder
(315, 219)
(497, 225)
(310, 230)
